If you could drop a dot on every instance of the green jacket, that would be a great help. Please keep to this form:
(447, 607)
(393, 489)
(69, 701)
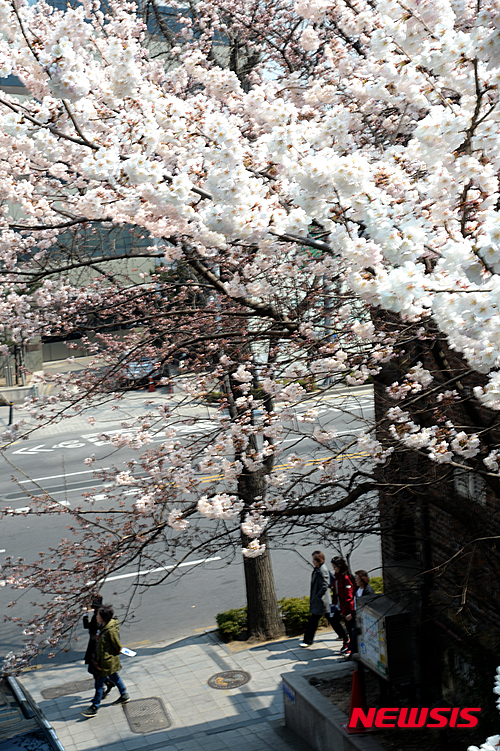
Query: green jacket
(108, 648)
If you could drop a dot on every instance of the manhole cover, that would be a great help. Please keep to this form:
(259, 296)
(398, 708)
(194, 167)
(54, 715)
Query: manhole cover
(229, 679)
(68, 688)
(146, 715)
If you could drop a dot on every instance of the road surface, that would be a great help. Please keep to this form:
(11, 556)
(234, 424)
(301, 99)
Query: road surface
(189, 601)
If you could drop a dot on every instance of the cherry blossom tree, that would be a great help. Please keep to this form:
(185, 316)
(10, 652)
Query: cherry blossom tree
(366, 132)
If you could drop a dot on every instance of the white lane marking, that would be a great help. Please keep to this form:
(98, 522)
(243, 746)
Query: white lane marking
(157, 570)
(95, 439)
(2, 551)
(63, 491)
(68, 474)
(27, 509)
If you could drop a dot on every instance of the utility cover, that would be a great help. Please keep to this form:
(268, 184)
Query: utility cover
(66, 689)
(229, 679)
(147, 715)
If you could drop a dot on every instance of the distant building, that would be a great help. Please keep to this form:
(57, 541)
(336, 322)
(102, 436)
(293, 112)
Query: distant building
(441, 539)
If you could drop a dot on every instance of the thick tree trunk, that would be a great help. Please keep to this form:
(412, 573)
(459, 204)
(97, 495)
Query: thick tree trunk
(263, 615)
(264, 619)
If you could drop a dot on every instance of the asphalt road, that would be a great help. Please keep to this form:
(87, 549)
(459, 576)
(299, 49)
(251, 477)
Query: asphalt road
(183, 604)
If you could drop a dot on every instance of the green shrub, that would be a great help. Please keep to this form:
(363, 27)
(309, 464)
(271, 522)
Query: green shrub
(295, 613)
(231, 622)
(308, 383)
(377, 583)
(213, 396)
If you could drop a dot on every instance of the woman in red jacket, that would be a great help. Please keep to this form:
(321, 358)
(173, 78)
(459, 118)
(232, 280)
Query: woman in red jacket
(343, 597)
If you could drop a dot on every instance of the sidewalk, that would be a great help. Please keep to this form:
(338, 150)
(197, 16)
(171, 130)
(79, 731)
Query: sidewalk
(107, 415)
(249, 718)
(111, 414)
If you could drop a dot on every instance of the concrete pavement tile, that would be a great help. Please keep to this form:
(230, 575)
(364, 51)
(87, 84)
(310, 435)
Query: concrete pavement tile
(198, 659)
(232, 734)
(188, 745)
(240, 697)
(201, 699)
(187, 712)
(211, 716)
(255, 703)
(222, 701)
(173, 733)
(146, 689)
(176, 703)
(180, 670)
(134, 743)
(199, 688)
(210, 744)
(190, 681)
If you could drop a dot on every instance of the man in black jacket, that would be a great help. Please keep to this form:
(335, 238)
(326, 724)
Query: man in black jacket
(319, 598)
(93, 628)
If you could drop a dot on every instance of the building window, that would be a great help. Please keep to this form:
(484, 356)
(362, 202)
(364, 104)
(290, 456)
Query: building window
(469, 485)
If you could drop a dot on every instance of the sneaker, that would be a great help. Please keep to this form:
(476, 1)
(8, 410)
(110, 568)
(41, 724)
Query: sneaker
(304, 644)
(345, 648)
(123, 699)
(90, 712)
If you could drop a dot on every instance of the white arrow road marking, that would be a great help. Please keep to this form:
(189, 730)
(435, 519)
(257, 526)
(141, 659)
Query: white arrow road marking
(74, 444)
(23, 510)
(156, 570)
(32, 449)
(94, 437)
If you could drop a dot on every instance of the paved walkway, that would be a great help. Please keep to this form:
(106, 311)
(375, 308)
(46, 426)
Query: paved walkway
(249, 718)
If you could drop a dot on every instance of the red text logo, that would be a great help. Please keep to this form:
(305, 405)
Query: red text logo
(416, 717)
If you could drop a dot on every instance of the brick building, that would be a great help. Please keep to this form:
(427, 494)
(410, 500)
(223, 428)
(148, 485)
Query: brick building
(441, 534)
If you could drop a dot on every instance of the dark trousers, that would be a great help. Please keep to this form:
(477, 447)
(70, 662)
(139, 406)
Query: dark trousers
(335, 622)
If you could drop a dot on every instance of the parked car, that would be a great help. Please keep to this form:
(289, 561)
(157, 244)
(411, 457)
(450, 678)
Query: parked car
(136, 373)
(23, 726)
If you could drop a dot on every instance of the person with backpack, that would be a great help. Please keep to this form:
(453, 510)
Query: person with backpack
(342, 584)
(107, 660)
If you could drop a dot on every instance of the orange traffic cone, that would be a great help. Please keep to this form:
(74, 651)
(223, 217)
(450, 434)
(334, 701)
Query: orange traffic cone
(151, 386)
(357, 702)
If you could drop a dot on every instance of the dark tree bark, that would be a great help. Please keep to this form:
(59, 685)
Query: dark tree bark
(264, 619)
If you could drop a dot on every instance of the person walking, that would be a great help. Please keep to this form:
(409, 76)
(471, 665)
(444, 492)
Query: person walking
(107, 660)
(363, 588)
(91, 625)
(343, 597)
(319, 599)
